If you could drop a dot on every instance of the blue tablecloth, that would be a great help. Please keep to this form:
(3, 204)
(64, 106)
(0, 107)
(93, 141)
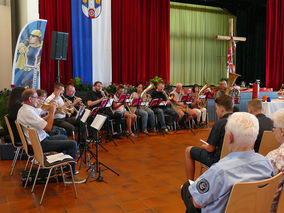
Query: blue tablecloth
(243, 103)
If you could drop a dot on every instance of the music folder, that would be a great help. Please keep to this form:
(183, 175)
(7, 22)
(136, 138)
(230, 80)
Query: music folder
(136, 102)
(121, 99)
(104, 103)
(94, 111)
(98, 122)
(157, 102)
(186, 98)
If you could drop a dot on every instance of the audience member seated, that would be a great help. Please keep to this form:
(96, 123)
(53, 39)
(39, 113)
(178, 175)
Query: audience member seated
(145, 112)
(14, 104)
(211, 191)
(210, 153)
(198, 106)
(161, 110)
(265, 123)
(29, 117)
(276, 156)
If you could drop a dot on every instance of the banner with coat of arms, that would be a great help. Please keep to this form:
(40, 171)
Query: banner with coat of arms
(91, 40)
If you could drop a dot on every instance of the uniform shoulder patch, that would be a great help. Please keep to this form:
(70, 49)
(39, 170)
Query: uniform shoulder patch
(202, 186)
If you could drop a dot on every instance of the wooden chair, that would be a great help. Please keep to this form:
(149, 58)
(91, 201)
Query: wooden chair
(253, 196)
(268, 143)
(200, 168)
(18, 147)
(28, 151)
(280, 205)
(44, 163)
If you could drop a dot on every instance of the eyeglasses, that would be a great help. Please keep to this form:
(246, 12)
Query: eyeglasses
(34, 96)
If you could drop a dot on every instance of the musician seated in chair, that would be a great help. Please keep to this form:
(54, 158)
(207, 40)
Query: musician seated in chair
(28, 116)
(56, 130)
(145, 112)
(161, 110)
(60, 119)
(94, 99)
(210, 153)
(198, 105)
(180, 108)
(211, 191)
(120, 109)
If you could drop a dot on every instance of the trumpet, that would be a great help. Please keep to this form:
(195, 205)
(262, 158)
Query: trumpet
(68, 110)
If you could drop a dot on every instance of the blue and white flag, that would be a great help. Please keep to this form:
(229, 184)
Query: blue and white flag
(27, 57)
(91, 40)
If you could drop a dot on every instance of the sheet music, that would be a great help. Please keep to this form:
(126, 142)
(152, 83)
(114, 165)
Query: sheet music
(57, 157)
(86, 115)
(98, 122)
(145, 104)
(109, 104)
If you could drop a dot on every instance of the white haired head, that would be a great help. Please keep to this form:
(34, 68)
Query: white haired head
(278, 118)
(241, 131)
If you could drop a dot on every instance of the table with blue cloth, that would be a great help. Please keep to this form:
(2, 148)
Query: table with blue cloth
(242, 105)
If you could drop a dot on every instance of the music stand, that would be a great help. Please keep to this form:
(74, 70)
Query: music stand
(96, 166)
(84, 147)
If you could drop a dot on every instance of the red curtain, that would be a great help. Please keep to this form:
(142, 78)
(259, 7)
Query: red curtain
(275, 44)
(140, 40)
(58, 16)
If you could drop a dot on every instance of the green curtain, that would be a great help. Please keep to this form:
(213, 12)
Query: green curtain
(195, 53)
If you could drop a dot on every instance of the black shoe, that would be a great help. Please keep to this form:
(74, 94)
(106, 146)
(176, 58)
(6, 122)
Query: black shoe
(117, 136)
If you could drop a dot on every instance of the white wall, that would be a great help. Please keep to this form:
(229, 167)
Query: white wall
(5, 45)
(27, 10)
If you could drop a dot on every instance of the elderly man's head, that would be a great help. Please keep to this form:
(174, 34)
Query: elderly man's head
(278, 126)
(241, 131)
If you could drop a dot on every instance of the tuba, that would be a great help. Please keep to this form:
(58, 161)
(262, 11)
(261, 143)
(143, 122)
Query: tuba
(150, 87)
(203, 102)
(232, 79)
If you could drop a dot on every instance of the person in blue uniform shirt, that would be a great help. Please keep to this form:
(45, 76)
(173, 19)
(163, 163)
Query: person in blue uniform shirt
(211, 191)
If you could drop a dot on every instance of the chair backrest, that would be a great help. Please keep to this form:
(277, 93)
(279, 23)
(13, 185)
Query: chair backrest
(23, 138)
(10, 130)
(280, 205)
(225, 150)
(253, 196)
(268, 143)
(38, 153)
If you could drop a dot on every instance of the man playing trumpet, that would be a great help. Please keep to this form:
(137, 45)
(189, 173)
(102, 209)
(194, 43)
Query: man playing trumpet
(60, 118)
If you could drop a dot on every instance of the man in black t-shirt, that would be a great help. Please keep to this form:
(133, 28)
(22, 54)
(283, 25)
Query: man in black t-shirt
(265, 123)
(161, 110)
(210, 153)
(94, 99)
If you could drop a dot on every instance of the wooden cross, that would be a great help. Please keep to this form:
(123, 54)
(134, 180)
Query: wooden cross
(231, 33)
(229, 38)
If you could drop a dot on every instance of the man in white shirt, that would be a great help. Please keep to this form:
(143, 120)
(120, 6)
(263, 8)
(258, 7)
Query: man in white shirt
(60, 118)
(28, 116)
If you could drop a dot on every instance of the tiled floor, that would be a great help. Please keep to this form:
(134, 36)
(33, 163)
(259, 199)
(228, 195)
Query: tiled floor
(151, 172)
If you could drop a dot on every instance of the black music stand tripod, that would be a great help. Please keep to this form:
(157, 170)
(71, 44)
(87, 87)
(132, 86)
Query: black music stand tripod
(96, 166)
